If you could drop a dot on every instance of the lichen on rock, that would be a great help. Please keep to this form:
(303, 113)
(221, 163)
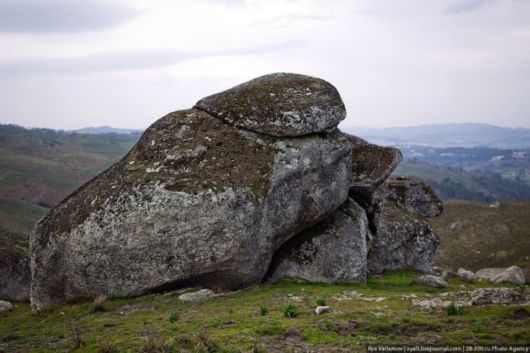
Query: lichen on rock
(280, 104)
(413, 195)
(332, 251)
(195, 202)
(402, 241)
(253, 181)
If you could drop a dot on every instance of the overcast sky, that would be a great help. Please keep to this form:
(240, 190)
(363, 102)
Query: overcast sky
(71, 64)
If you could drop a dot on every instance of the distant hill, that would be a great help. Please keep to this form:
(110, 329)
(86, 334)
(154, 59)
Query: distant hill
(108, 130)
(475, 235)
(457, 183)
(41, 166)
(447, 135)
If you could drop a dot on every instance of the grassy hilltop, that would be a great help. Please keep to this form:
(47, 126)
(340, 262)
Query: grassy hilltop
(42, 166)
(39, 167)
(234, 322)
(475, 235)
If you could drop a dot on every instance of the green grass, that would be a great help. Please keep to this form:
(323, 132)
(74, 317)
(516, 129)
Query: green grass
(232, 323)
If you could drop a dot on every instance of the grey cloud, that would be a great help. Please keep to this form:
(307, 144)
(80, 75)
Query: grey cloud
(120, 60)
(287, 20)
(228, 2)
(42, 16)
(294, 18)
(461, 6)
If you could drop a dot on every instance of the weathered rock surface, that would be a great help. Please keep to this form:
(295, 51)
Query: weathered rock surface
(332, 251)
(200, 295)
(252, 183)
(413, 195)
(513, 274)
(442, 272)
(489, 273)
(280, 104)
(485, 296)
(195, 202)
(5, 306)
(431, 281)
(466, 275)
(15, 275)
(401, 241)
(371, 166)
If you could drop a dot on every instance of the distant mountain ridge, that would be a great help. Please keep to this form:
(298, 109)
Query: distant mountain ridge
(108, 130)
(447, 135)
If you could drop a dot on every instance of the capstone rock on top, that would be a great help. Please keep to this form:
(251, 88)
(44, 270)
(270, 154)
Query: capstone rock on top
(280, 104)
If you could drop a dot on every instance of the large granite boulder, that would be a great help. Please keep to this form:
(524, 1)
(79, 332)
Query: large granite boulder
(15, 275)
(280, 104)
(197, 202)
(401, 240)
(413, 195)
(332, 251)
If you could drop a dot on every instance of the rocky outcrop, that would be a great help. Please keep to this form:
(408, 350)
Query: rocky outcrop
(280, 104)
(15, 275)
(413, 195)
(196, 202)
(483, 296)
(401, 241)
(251, 183)
(333, 251)
(395, 206)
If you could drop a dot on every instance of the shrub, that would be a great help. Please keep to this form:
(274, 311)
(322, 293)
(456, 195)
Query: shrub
(98, 304)
(321, 302)
(270, 330)
(154, 344)
(78, 340)
(205, 343)
(289, 311)
(173, 317)
(263, 310)
(453, 309)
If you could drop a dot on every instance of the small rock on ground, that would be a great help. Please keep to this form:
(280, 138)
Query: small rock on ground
(431, 281)
(5, 306)
(321, 310)
(203, 294)
(466, 275)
